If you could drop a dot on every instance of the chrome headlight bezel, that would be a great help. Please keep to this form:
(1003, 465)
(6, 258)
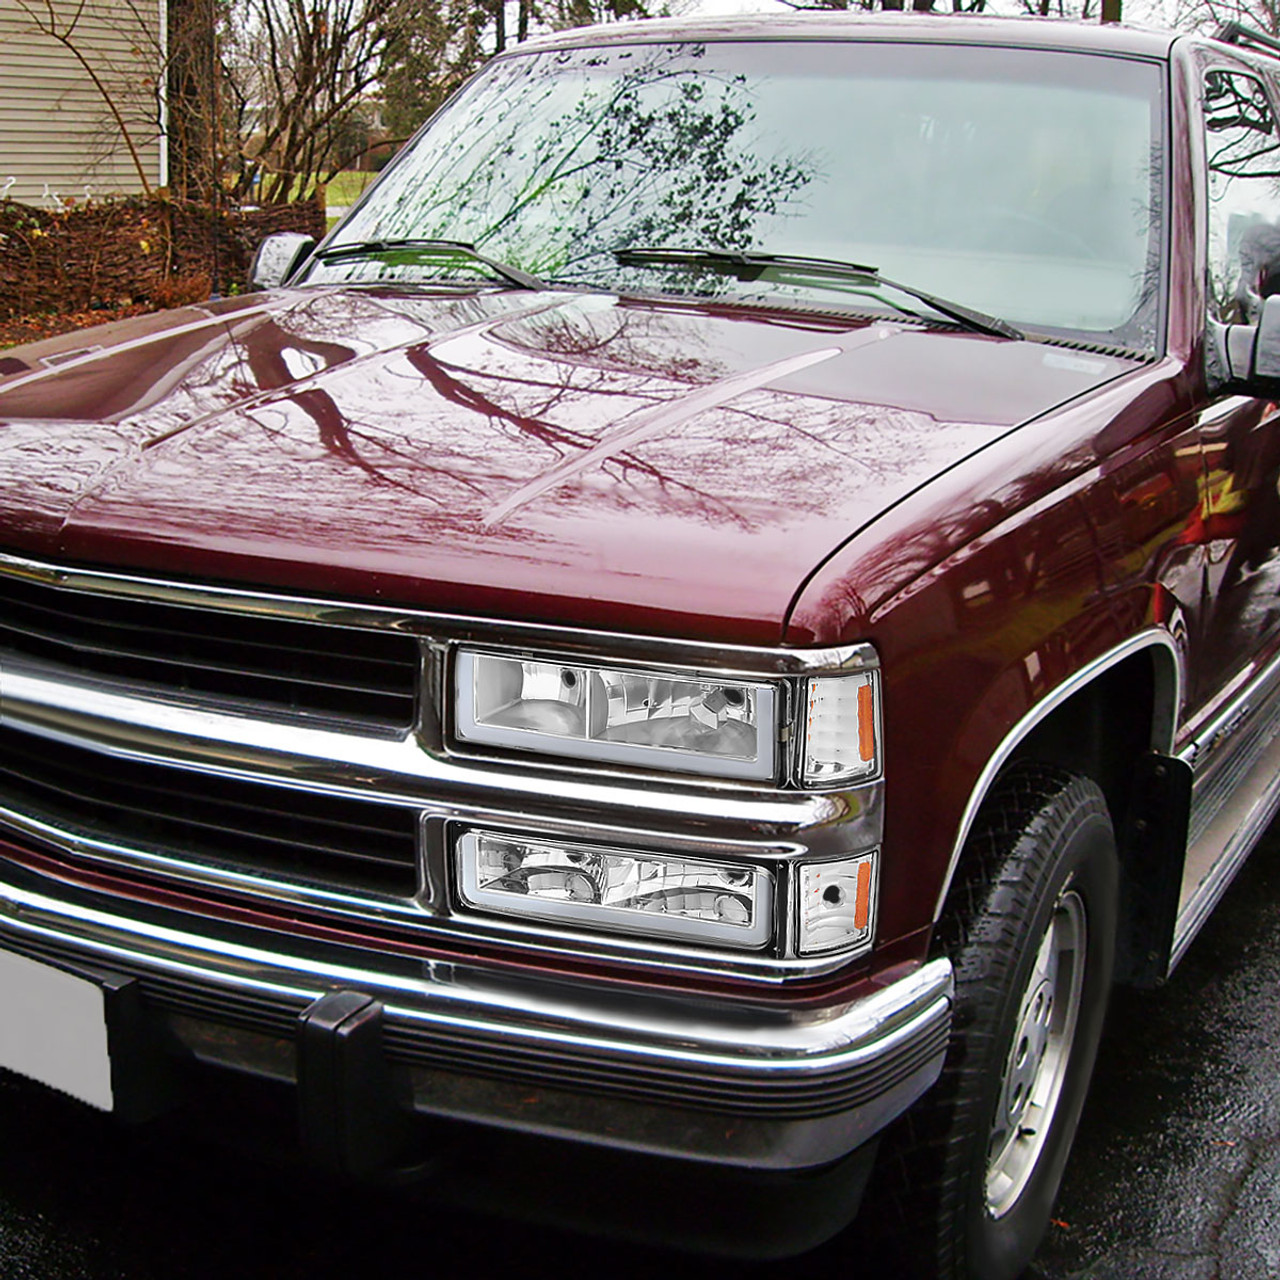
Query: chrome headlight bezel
(783, 706)
(633, 913)
(766, 700)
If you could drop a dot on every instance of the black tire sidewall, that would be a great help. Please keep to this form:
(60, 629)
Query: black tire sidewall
(1084, 859)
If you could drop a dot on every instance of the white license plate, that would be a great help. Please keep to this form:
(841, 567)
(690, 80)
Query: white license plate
(53, 1028)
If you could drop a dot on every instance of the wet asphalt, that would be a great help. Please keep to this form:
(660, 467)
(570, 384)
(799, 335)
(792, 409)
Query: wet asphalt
(1175, 1175)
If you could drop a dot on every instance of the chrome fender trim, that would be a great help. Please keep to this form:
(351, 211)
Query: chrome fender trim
(1168, 700)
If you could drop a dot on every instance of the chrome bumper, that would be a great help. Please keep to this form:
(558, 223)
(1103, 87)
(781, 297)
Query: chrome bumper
(752, 1085)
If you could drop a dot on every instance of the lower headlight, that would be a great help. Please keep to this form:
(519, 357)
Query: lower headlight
(586, 885)
(653, 719)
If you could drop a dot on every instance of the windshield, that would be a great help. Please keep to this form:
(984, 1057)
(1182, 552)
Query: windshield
(1019, 182)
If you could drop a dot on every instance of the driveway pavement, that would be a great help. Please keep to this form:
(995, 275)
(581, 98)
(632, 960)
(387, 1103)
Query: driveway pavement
(1176, 1173)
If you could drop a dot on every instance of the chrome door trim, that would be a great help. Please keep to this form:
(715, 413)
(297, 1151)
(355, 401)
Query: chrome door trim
(1259, 690)
(1258, 700)
(1193, 917)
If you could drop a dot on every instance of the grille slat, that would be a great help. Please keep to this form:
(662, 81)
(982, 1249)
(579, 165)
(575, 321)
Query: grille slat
(107, 636)
(355, 673)
(335, 840)
(169, 666)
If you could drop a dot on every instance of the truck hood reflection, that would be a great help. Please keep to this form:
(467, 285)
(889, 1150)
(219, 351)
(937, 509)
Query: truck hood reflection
(659, 466)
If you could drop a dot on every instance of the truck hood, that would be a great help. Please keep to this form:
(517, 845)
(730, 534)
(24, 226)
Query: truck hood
(666, 467)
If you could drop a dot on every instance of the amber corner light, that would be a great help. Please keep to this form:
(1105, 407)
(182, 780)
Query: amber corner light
(841, 729)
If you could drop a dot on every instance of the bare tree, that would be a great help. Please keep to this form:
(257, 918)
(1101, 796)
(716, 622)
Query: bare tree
(196, 146)
(1209, 15)
(296, 73)
(434, 49)
(917, 6)
(1086, 10)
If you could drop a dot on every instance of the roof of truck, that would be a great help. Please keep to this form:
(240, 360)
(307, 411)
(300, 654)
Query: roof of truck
(1040, 33)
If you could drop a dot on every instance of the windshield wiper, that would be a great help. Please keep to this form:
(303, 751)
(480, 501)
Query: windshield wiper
(750, 265)
(441, 248)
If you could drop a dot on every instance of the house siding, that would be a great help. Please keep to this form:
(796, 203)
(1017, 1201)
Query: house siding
(56, 132)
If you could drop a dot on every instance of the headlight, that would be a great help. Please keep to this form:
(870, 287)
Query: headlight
(615, 889)
(652, 719)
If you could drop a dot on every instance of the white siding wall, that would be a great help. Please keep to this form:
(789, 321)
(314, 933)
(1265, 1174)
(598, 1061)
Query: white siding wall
(55, 127)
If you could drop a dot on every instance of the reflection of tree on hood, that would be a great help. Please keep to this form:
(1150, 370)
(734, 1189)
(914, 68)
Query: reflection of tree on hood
(265, 347)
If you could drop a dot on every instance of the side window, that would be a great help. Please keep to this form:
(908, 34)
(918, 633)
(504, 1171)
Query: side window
(1243, 151)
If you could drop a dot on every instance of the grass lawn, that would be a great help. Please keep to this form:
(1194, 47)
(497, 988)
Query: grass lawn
(347, 187)
(344, 190)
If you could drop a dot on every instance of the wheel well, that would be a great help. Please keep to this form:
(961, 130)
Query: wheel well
(1101, 731)
(1111, 731)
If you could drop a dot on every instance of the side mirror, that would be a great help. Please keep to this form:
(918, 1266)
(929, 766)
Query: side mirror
(1245, 358)
(1265, 372)
(278, 256)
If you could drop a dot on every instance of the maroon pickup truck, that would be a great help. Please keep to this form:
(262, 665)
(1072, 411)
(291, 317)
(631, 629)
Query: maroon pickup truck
(725, 604)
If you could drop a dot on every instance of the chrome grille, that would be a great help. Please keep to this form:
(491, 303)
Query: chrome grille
(319, 838)
(350, 672)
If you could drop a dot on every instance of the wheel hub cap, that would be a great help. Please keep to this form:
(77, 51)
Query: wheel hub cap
(1038, 1055)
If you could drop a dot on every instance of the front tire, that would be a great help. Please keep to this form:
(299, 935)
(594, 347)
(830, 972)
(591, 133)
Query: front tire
(1030, 926)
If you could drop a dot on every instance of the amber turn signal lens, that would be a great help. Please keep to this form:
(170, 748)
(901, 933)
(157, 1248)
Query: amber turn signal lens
(841, 729)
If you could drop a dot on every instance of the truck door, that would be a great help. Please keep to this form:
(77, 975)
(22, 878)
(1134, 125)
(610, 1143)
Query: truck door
(1240, 504)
